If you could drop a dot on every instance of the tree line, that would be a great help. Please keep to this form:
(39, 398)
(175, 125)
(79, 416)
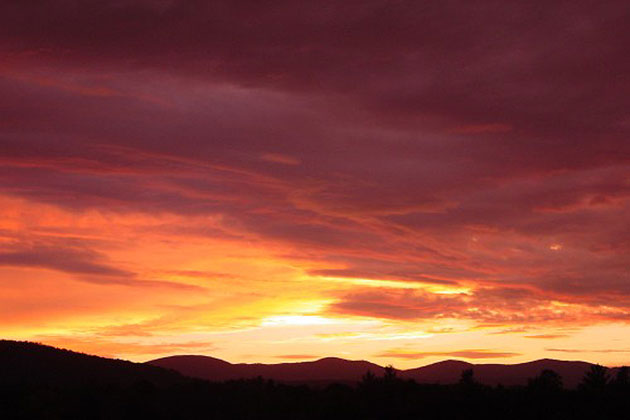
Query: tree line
(600, 395)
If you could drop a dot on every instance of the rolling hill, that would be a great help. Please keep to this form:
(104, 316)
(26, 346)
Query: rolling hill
(449, 371)
(340, 370)
(329, 369)
(25, 362)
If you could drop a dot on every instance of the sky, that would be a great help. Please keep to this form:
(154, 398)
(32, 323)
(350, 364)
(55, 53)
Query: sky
(395, 181)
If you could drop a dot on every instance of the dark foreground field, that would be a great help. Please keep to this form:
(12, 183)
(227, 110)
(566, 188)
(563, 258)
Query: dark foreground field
(44, 383)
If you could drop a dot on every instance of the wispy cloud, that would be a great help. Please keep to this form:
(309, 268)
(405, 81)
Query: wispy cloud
(465, 354)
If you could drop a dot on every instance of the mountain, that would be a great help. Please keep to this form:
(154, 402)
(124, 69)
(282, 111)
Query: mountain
(42, 382)
(329, 369)
(445, 372)
(449, 371)
(26, 363)
(347, 371)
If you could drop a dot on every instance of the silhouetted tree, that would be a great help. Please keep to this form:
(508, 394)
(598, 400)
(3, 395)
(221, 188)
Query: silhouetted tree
(467, 378)
(368, 379)
(390, 373)
(547, 381)
(622, 378)
(596, 378)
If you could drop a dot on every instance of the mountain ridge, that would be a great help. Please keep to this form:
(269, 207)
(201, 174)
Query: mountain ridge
(23, 361)
(38, 381)
(334, 369)
(20, 360)
(331, 369)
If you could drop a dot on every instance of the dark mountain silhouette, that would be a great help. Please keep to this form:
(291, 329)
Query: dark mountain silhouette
(445, 372)
(327, 370)
(20, 361)
(41, 382)
(24, 362)
(449, 372)
(346, 371)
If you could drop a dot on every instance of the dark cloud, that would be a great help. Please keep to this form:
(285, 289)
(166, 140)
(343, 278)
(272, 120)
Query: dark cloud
(77, 258)
(74, 261)
(540, 68)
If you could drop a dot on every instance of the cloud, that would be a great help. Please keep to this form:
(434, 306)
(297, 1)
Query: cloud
(378, 275)
(280, 158)
(76, 258)
(546, 336)
(464, 354)
(297, 357)
(485, 306)
(69, 260)
(324, 47)
(202, 274)
(482, 128)
(588, 351)
(112, 348)
(416, 305)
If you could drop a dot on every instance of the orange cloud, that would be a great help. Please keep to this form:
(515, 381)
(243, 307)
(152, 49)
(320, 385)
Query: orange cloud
(297, 357)
(465, 354)
(547, 336)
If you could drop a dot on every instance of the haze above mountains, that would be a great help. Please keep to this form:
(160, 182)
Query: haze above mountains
(29, 360)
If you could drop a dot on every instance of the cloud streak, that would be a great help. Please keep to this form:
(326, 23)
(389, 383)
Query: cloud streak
(464, 354)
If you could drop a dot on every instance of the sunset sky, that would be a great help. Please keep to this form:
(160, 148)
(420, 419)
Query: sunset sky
(401, 182)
